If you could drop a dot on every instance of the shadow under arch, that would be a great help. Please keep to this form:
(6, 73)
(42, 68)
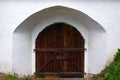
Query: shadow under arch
(58, 10)
(25, 34)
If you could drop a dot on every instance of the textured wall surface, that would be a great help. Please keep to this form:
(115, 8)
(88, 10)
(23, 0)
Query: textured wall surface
(18, 32)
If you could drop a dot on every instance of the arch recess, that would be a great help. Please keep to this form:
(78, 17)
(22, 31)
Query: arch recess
(26, 33)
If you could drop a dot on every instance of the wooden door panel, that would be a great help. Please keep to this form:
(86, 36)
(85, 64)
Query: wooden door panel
(60, 38)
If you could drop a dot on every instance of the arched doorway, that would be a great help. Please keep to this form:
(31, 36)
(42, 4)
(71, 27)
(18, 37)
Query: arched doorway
(25, 35)
(60, 50)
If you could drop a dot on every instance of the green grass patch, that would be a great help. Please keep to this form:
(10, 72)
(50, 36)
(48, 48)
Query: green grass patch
(10, 77)
(112, 72)
(33, 77)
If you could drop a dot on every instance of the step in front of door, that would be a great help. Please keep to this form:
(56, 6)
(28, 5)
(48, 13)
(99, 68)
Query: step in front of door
(71, 74)
(64, 74)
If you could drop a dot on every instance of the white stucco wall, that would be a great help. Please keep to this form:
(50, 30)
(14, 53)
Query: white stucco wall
(14, 12)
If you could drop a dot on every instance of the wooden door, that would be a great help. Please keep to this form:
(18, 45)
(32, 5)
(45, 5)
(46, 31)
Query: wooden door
(60, 49)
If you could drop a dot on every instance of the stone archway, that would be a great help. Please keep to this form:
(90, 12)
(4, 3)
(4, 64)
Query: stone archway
(26, 33)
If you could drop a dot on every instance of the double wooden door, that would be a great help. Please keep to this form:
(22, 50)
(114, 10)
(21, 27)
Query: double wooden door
(60, 49)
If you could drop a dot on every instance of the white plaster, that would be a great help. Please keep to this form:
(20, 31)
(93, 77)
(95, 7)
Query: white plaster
(15, 12)
(22, 53)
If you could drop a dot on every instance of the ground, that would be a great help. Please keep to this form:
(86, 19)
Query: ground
(2, 77)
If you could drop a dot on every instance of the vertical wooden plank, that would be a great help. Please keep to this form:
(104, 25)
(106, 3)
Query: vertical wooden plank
(56, 44)
(65, 46)
(61, 45)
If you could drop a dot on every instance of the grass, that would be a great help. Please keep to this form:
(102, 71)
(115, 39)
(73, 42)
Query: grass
(33, 77)
(10, 77)
(112, 72)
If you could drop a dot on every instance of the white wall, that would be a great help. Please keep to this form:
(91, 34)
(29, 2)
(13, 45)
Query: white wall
(14, 12)
(22, 52)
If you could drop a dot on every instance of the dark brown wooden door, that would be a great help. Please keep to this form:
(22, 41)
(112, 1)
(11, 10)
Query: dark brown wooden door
(60, 49)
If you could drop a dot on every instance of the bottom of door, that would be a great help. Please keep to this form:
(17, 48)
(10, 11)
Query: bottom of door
(62, 74)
